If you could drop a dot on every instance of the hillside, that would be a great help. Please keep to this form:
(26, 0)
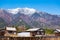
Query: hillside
(30, 17)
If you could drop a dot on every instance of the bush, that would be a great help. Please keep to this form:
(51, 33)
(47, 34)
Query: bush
(49, 31)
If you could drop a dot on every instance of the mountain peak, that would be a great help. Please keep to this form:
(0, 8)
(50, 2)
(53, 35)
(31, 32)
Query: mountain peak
(13, 11)
(26, 11)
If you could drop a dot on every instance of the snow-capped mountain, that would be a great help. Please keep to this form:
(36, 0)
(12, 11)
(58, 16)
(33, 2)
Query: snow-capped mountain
(26, 11)
(36, 18)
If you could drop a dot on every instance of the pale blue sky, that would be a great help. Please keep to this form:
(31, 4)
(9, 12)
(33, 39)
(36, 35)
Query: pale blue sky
(49, 6)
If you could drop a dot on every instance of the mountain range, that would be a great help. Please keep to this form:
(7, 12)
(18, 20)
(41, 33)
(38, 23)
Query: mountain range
(28, 17)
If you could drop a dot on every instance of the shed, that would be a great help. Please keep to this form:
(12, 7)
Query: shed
(36, 31)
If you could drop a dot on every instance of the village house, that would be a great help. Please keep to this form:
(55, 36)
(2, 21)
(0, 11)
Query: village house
(36, 31)
(57, 32)
(32, 32)
(8, 31)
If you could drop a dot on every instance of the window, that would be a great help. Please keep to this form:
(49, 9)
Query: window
(10, 32)
(38, 33)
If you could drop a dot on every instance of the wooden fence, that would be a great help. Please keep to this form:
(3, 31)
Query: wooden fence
(31, 38)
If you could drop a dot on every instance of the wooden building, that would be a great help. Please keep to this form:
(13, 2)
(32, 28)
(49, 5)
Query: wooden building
(32, 32)
(8, 31)
(57, 32)
(36, 31)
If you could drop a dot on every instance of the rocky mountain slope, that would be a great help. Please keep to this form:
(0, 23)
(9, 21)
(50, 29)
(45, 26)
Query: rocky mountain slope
(29, 17)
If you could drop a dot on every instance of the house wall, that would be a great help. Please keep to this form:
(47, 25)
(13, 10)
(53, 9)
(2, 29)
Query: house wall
(57, 34)
(33, 33)
(10, 34)
(24, 34)
(37, 33)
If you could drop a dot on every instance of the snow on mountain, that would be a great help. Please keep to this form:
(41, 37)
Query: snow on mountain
(26, 11)
(13, 11)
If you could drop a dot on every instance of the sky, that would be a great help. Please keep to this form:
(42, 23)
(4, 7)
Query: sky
(49, 6)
